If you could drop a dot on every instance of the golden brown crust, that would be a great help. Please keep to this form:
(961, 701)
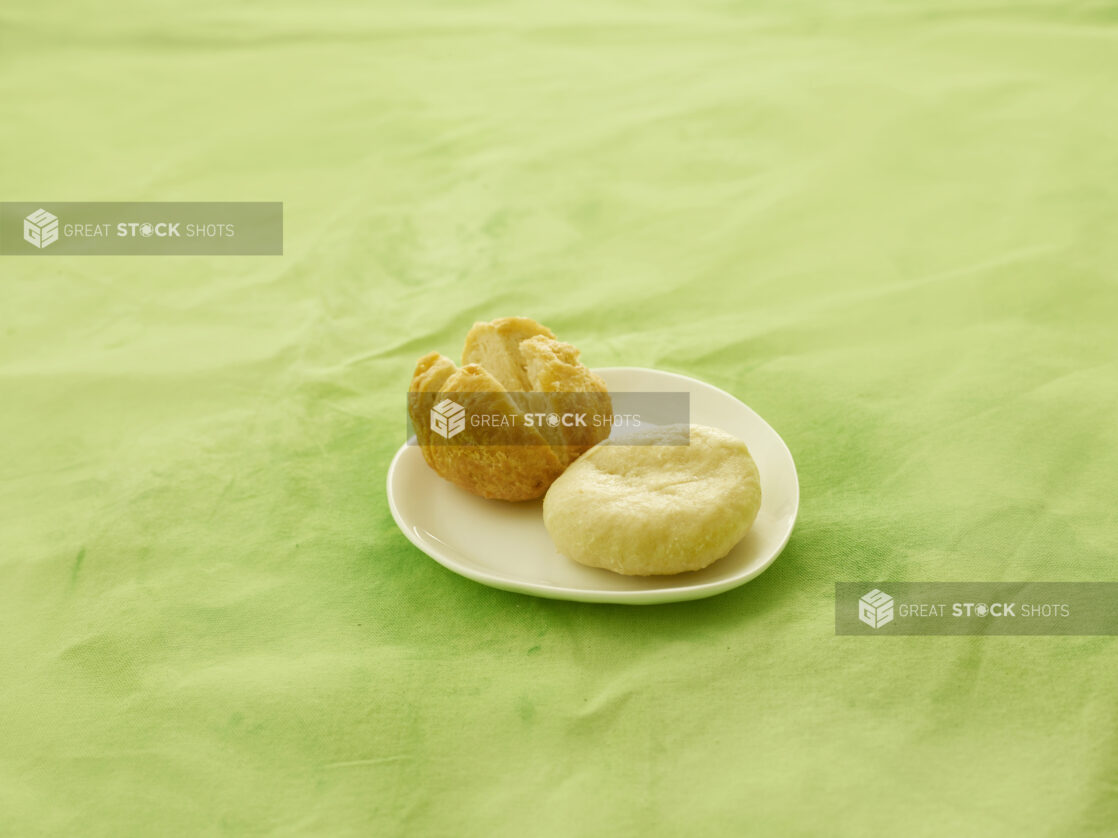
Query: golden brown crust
(503, 362)
(553, 368)
(430, 372)
(498, 472)
(496, 346)
(502, 462)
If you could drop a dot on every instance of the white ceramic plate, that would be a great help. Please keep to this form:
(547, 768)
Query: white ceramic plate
(505, 545)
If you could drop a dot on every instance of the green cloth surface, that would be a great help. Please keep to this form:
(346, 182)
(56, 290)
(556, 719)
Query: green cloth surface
(891, 229)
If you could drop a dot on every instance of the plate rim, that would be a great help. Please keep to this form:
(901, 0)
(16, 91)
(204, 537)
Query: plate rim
(635, 597)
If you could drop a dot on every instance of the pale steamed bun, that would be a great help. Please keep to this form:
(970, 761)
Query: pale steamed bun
(655, 508)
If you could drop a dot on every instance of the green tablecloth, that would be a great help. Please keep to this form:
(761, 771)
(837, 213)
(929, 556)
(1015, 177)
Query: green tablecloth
(889, 228)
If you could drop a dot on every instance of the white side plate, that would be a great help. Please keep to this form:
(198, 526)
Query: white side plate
(505, 545)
